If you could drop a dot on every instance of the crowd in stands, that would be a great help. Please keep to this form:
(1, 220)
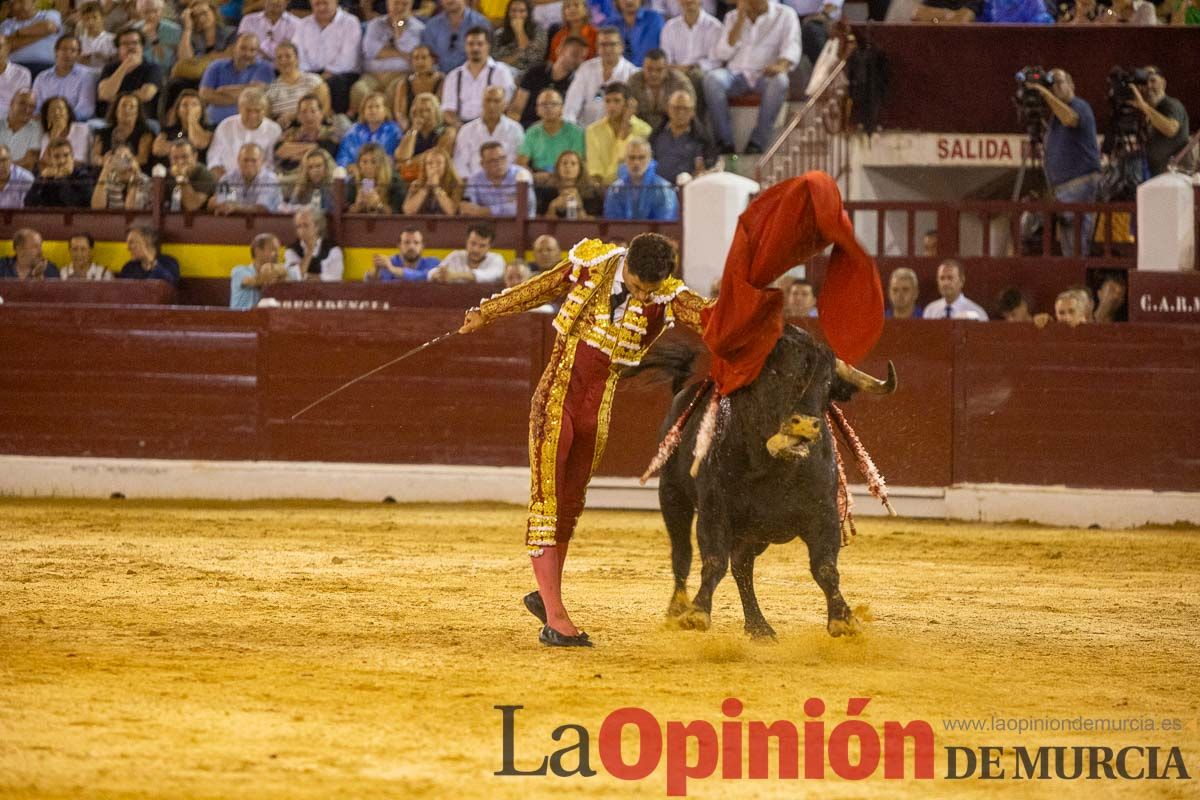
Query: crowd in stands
(446, 108)
(1078, 12)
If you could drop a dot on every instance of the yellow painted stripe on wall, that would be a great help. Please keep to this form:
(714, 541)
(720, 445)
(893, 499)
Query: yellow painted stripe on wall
(213, 260)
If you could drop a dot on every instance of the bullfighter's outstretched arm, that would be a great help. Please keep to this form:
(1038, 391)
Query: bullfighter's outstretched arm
(537, 291)
(690, 309)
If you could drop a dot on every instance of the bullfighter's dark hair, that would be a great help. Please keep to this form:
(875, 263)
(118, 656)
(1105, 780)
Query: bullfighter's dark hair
(651, 257)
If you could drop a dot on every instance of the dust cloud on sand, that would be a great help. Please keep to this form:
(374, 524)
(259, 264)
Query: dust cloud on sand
(292, 650)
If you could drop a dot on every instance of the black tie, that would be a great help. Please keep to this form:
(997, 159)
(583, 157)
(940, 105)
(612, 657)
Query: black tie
(948, 310)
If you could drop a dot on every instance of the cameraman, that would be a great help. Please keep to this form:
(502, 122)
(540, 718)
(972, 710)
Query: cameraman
(1168, 121)
(1070, 155)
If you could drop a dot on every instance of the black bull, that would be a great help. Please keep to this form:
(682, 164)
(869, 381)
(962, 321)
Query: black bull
(770, 476)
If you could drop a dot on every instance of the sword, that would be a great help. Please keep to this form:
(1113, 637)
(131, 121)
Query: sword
(380, 368)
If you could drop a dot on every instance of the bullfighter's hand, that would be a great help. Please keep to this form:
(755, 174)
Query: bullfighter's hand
(472, 322)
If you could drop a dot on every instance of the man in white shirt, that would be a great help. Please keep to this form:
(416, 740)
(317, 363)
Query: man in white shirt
(689, 39)
(475, 264)
(815, 18)
(492, 126)
(250, 124)
(953, 304)
(20, 130)
(760, 45)
(13, 77)
(15, 181)
(328, 42)
(272, 25)
(462, 93)
(387, 43)
(31, 34)
(584, 103)
(67, 79)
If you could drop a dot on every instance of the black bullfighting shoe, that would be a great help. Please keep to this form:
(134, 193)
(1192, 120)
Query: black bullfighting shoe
(552, 638)
(533, 602)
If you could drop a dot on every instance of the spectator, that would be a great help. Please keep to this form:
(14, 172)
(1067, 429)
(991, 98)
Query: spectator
(956, 12)
(184, 122)
(438, 190)
(572, 194)
(387, 45)
(246, 280)
(1187, 12)
(681, 143)
(515, 274)
(445, 33)
(426, 130)
(308, 131)
(13, 76)
(27, 262)
(1130, 12)
(653, 86)
(816, 18)
(62, 183)
(97, 45)
(929, 243)
(548, 139)
(122, 184)
(424, 78)
(249, 189)
(193, 183)
(1071, 309)
(373, 190)
(608, 138)
(1013, 306)
(1084, 12)
(493, 126)
(1112, 294)
(314, 184)
(290, 85)
(329, 41)
(15, 180)
(953, 304)
(407, 265)
(376, 127)
(145, 261)
(640, 28)
(58, 122)
(689, 40)
(585, 101)
(129, 73)
(31, 33)
(67, 79)
(520, 42)
(83, 267)
(554, 75)
(273, 26)
(126, 126)
(1071, 157)
(903, 291)
(760, 45)
(492, 191)
(465, 86)
(1017, 12)
(475, 264)
(204, 40)
(20, 130)
(225, 79)
(313, 256)
(799, 300)
(546, 253)
(250, 125)
(1168, 121)
(575, 23)
(162, 35)
(638, 193)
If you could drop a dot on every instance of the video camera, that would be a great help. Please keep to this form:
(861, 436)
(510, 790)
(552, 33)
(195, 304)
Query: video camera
(1032, 112)
(1121, 82)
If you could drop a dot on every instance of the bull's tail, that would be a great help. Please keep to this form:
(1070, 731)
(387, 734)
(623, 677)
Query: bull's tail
(667, 361)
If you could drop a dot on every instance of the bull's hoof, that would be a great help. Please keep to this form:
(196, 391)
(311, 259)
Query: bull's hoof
(693, 620)
(761, 632)
(845, 627)
(679, 605)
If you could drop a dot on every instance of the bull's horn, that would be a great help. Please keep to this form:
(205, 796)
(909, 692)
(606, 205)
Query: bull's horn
(864, 381)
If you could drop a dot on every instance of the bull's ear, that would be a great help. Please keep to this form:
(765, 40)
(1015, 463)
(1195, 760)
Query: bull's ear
(841, 390)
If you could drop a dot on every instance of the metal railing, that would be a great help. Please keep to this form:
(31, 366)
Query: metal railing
(817, 136)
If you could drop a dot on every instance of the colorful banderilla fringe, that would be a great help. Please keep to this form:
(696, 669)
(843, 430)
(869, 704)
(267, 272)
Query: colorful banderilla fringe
(670, 442)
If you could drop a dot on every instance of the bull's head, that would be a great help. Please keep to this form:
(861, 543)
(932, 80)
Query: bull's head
(805, 377)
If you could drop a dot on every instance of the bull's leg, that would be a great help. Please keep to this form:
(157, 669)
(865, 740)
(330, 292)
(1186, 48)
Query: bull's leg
(712, 536)
(678, 513)
(822, 559)
(742, 566)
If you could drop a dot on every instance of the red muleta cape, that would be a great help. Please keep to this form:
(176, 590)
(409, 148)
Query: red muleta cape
(781, 228)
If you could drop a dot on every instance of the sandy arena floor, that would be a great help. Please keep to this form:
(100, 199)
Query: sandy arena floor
(347, 651)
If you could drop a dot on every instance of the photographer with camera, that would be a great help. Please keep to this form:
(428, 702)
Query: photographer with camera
(1070, 155)
(1167, 118)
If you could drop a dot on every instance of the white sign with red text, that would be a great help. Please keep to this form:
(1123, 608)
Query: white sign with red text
(907, 149)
